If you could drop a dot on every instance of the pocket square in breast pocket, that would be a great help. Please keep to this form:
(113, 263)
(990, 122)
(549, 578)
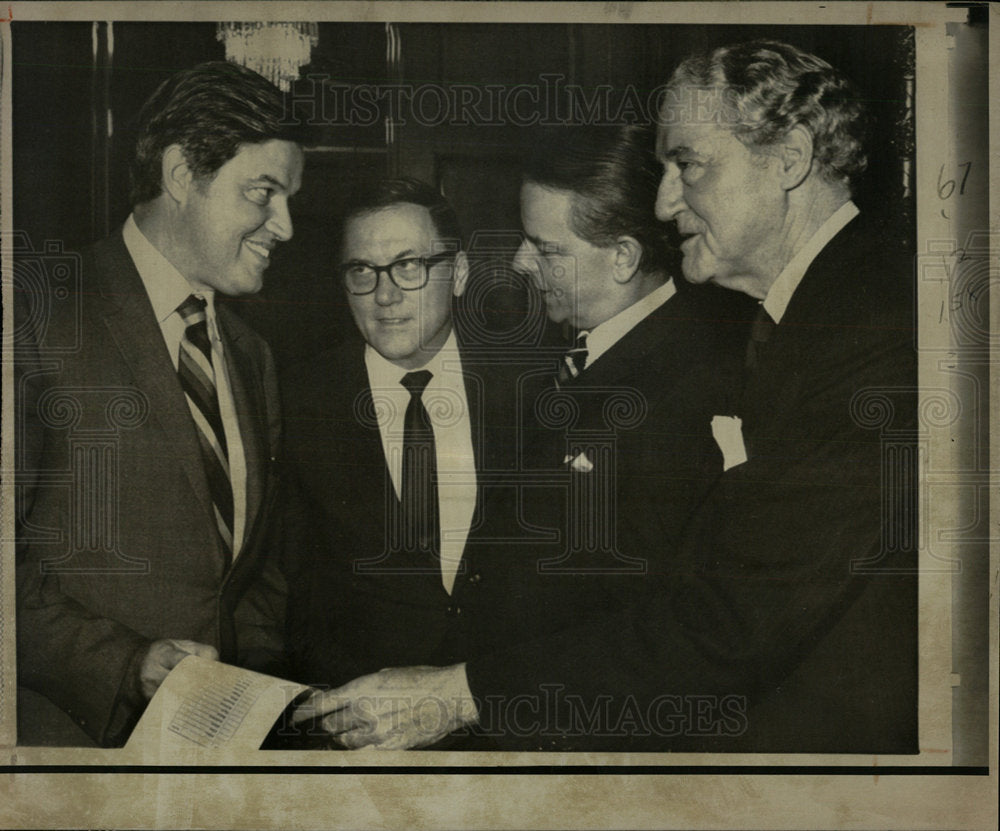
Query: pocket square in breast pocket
(579, 463)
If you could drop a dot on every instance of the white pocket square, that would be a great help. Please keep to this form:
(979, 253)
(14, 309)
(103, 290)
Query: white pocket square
(728, 434)
(580, 463)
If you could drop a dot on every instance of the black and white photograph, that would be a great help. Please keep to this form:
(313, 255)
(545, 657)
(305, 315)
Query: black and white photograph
(486, 415)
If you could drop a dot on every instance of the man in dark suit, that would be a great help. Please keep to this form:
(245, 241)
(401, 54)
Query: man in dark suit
(614, 439)
(146, 481)
(616, 447)
(381, 549)
(787, 622)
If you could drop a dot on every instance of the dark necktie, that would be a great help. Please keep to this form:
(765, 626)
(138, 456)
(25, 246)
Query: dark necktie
(197, 376)
(754, 398)
(574, 360)
(418, 494)
(760, 334)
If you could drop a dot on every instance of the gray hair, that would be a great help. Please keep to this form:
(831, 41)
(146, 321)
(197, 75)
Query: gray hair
(762, 89)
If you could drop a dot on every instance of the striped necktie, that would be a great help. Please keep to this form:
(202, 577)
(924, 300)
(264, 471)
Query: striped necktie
(574, 360)
(197, 376)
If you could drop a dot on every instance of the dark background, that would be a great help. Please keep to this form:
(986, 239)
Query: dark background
(70, 184)
(71, 81)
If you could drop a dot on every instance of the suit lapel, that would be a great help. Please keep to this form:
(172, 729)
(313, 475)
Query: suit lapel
(372, 488)
(129, 318)
(622, 366)
(248, 399)
(475, 383)
(664, 328)
(811, 311)
(347, 388)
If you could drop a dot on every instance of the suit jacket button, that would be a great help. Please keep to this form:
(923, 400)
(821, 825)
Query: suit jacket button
(453, 610)
(475, 578)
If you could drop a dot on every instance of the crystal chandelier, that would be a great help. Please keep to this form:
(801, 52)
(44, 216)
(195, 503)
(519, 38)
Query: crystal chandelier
(275, 50)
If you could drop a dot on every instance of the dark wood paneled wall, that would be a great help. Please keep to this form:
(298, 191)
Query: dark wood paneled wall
(78, 86)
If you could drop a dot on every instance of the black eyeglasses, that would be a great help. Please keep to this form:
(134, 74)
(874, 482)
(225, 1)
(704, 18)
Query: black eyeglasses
(408, 274)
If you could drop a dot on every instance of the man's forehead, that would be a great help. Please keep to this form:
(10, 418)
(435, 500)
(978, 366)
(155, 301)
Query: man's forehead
(547, 209)
(402, 224)
(688, 136)
(276, 162)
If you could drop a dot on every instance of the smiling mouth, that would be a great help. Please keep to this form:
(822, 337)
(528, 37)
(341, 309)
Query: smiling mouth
(262, 250)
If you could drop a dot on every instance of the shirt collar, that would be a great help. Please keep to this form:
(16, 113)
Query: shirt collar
(384, 374)
(602, 337)
(782, 289)
(166, 287)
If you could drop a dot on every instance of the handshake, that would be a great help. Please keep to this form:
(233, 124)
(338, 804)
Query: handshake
(393, 709)
(204, 704)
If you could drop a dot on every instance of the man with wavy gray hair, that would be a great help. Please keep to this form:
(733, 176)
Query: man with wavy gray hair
(760, 144)
(802, 587)
(787, 621)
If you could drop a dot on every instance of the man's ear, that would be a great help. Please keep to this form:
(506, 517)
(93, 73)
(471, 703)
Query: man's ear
(795, 154)
(461, 274)
(177, 175)
(628, 254)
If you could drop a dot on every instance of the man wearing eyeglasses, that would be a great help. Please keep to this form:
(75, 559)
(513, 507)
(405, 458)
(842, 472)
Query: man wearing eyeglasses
(615, 445)
(787, 622)
(383, 437)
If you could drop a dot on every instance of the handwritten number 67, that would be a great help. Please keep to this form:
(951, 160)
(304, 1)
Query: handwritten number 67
(947, 188)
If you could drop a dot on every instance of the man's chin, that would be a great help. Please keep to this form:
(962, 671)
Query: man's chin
(696, 274)
(248, 282)
(556, 312)
(400, 354)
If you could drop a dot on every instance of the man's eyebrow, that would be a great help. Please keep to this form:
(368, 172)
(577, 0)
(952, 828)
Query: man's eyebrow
(538, 242)
(267, 179)
(402, 255)
(679, 150)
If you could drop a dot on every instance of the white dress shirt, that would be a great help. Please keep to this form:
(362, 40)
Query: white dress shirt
(601, 338)
(167, 289)
(782, 289)
(448, 408)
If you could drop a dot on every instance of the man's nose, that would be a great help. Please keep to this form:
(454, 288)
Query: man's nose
(670, 195)
(279, 223)
(387, 292)
(526, 261)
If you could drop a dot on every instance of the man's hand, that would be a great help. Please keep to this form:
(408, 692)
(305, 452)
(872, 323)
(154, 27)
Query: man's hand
(395, 709)
(163, 656)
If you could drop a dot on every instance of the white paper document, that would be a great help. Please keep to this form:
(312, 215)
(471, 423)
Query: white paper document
(208, 705)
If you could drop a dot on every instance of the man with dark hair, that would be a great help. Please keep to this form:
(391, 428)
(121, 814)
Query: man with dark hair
(617, 448)
(385, 439)
(615, 443)
(167, 419)
(787, 620)
(598, 184)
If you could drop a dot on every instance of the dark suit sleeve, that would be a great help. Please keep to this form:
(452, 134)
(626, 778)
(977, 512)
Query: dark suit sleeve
(84, 663)
(314, 650)
(328, 468)
(315, 630)
(260, 620)
(768, 569)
